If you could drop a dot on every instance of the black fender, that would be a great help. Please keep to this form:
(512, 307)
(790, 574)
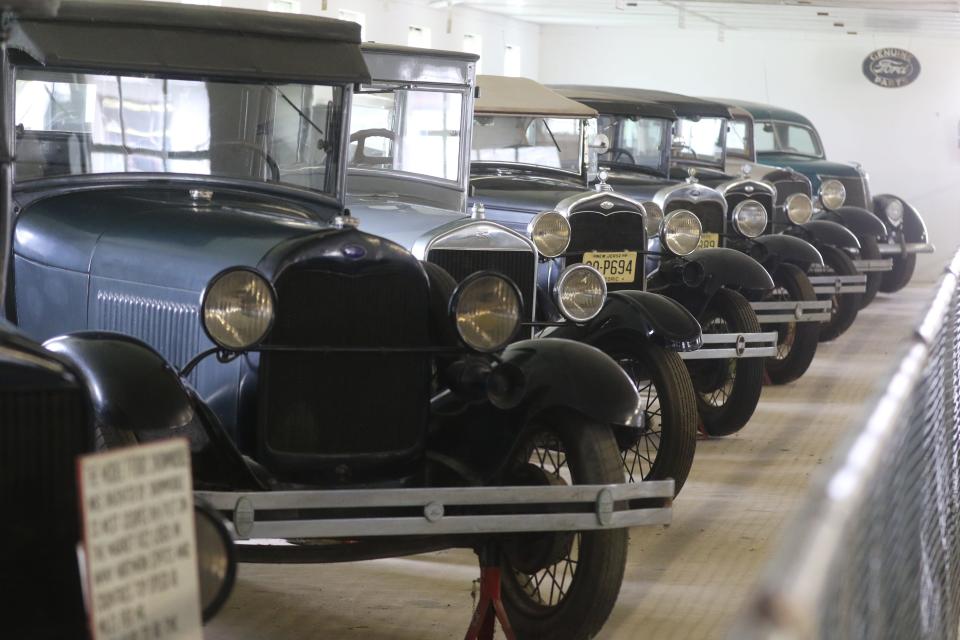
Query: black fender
(723, 267)
(551, 373)
(826, 232)
(788, 249)
(647, 316)
(862, 222)
(914, 228)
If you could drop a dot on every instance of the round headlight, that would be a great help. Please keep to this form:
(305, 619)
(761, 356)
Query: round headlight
(833, 194)
(799, 208)
(550, 232)
(894, 212)
(487, 310)
(238, 309)
(750, 218)
(654, 218)
(681, 232)
(580, 292)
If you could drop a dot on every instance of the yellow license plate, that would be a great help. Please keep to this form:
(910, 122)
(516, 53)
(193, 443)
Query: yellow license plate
(709, 241)
(616, 266)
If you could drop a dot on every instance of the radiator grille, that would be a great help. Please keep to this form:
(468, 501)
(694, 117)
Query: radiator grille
(334, 404)
(519, 266)
(616, 231)
(735, 197)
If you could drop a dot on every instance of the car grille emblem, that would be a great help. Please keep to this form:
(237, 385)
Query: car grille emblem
(748, 188)
(695, 193)
(606, 205)
(482, 234)
(354, 251)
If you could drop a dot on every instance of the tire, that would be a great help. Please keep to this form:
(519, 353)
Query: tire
(845, 307)
(796, 341)
(728, 391)
(665, 447)
(585, 600)
(900, 275)
(870, 250)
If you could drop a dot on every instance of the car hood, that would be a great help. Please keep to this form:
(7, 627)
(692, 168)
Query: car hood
(156, 235)
(810, 167)
(402, 222)
(638, 186)
(527, 193)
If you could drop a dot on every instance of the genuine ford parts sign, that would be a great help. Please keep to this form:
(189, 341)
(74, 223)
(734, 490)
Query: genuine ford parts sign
(891, 68)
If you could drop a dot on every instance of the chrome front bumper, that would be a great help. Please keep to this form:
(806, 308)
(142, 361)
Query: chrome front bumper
(723, 346)
(829, 284)
(893, 249)
(792, 311)
(357, 513)
(864, 266)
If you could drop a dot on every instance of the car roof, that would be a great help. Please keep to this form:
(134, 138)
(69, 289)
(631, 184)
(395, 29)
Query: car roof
(616, 100)
(394, 63)
(683, 106)
(769, 112)
(507, 95)
(191, 40)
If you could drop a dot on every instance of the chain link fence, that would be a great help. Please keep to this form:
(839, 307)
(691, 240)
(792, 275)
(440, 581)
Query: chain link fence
(875, 551)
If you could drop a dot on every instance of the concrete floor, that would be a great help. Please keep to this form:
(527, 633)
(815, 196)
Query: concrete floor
(687, 581)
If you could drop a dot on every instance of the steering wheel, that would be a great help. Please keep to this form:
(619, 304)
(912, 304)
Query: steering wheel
(681, 146)
(616, 152)
(257, 151)
(360, 156)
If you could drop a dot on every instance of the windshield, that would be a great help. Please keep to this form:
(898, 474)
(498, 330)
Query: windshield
(71, 124)
(415, 131)
(786, 137)
(739, 139)
(699, 140)
(554, 143)
(635, 143)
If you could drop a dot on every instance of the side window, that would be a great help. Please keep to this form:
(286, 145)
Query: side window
(801, 141)
(738, 143)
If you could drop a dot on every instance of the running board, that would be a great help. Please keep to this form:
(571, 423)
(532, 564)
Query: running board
(717, 346)
(838, 285)
(908, 247)
(358, 513)
(792, 311)
(865, 266)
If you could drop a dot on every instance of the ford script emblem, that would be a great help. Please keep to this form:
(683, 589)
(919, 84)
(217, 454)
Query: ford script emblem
(606, 205)
(354, 251)
(891, 68)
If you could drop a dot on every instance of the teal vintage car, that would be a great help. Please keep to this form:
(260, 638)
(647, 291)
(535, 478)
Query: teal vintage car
(886, 225)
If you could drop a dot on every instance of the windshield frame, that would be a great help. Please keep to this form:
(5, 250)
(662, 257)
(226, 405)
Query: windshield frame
(722, 144)
(749, 153)
(466, 134)
(326, 197)
(526, 166)
(814, 135)
(663, 167)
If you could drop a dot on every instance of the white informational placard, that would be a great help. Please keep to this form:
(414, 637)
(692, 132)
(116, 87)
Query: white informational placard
(140, 543)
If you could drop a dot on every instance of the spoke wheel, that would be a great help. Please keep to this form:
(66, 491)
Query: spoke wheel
(796, 341)
(564, 584)
(844, 308)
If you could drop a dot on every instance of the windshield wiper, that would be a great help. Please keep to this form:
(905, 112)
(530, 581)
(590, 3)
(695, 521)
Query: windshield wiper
(547, 127)
(303, 115)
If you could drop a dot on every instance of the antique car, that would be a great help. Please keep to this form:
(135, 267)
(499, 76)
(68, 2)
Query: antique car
(408, 175)
(886, 225)
(48, 413)
(531, 155)
(639, 124)
(343, 399)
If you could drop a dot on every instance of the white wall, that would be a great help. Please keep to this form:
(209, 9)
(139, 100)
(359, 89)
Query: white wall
(387, 21)
(907, 139)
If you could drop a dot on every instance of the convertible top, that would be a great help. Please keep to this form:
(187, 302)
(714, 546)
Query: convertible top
(394, 63)
(683, 106)
(191, 41)
(504, 95)
(769, 112)
(615, 100)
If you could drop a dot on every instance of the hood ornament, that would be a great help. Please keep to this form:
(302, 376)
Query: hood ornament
(346, 221)
(746, 170)
(478, 211)
(602, 181)
(691, 175)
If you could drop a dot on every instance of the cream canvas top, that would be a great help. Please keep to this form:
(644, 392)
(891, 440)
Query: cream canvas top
(504, 95)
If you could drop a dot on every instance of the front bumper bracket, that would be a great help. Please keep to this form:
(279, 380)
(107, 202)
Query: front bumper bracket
(722, 346)
(792, 311)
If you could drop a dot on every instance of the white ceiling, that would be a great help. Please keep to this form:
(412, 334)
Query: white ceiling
(927, 17)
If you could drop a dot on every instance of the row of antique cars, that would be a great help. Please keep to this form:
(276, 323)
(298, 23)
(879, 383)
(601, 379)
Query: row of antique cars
(392, 306)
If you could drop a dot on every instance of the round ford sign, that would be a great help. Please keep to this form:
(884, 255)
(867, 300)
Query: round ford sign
(891, 68)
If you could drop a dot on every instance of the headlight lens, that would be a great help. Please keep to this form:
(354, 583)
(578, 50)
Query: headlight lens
(799, 208)
(238, 309)
(894, 212)
(750, 218)
(833, 194)
(681, 232)
(550, 232)
(654, 218)
(580, 292)
(487, 310)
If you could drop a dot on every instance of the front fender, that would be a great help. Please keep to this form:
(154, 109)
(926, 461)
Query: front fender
(826, 232)
(781, 249)
(914, 228)
(563, 374)
(731, 268)
(648, 316)
(860, 221)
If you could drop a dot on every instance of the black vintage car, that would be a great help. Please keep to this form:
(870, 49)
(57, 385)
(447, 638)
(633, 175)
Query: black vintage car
(343, 399)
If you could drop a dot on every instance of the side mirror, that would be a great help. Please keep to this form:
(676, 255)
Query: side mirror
(216, 559)
(599, 143)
